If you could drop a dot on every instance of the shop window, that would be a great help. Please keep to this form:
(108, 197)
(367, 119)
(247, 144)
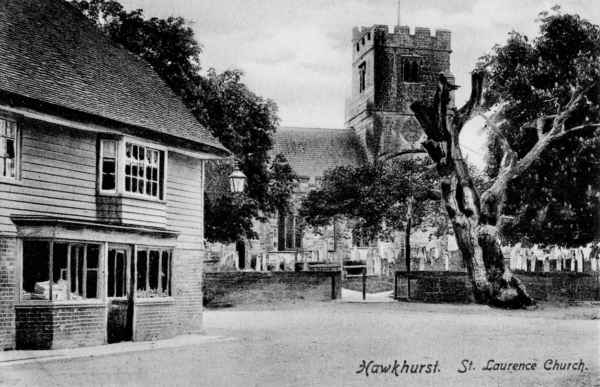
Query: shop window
(153, 268)
(141, 170)
(60, 271)
(290, 232)
(8, 149)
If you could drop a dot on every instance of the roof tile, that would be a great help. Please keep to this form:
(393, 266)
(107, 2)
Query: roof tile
(51, 53)
(311, 151)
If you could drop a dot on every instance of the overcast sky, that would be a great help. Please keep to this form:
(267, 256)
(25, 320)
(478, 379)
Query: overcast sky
(298, 52)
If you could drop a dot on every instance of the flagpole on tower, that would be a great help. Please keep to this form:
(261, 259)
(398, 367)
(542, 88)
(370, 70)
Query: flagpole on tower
(398, 13)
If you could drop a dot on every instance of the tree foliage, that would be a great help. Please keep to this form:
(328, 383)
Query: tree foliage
(241, 120)
(557, 200)
(374, 197)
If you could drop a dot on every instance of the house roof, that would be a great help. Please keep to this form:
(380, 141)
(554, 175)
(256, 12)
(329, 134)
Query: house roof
(49, 52)
(311, 151)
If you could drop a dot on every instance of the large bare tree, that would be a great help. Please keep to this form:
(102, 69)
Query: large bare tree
(476, 218)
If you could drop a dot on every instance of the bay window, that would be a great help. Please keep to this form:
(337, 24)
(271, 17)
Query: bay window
(131, 168)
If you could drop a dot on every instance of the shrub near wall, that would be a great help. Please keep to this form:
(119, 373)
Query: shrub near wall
(229, 289)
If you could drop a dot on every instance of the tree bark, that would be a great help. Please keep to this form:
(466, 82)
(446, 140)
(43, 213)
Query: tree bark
(407, 236)
(474, 221)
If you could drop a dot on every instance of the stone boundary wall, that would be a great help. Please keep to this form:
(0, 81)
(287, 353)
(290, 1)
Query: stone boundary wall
(455, 287)
(228, 288)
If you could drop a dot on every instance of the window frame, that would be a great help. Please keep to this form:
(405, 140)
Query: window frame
(100, 286)
(362, 77)
(297, 232)
(120, 165)
(18, 150)
(409, 63)
(169, 274)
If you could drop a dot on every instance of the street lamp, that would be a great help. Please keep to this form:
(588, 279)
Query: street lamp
(237, 179)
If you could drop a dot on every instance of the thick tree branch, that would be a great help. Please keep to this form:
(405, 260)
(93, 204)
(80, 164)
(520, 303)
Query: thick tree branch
(473, 106)
(493, 198)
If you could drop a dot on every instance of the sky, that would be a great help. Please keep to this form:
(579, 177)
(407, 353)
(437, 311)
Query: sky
(298, 52)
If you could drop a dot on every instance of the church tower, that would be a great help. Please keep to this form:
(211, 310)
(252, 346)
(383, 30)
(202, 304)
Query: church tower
(389, 73)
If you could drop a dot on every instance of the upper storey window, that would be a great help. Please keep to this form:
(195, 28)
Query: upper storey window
(412, 71)
(8, 149)
(362, 76)
(132, 168)
(142, 170)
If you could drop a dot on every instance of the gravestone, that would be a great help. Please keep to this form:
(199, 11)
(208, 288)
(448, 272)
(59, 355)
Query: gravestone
(539, 266)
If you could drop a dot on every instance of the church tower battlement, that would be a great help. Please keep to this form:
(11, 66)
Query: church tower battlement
(389, 72)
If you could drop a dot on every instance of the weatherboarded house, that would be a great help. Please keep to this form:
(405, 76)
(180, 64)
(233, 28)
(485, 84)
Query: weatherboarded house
(101, 188)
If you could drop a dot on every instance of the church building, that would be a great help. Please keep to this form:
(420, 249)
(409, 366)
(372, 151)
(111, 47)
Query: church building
(389, 72)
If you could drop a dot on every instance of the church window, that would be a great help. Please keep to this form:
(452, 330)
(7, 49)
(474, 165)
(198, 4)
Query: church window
(414, 72)
(362, 75)
(290, 232)
(411, 71)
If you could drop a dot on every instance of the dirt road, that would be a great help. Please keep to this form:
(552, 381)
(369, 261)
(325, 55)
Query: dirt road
(335, 344)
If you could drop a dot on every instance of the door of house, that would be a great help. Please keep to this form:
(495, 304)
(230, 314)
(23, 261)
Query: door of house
(119, 291)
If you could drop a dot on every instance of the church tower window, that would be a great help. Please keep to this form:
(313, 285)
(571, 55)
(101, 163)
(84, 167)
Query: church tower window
(362, 75)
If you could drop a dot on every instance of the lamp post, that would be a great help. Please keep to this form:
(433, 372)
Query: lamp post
(237, 179)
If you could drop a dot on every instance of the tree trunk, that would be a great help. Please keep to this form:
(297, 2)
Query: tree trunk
(407, 236)
(476, 234)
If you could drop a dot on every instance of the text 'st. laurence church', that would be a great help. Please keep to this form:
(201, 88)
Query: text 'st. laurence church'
(390, 70)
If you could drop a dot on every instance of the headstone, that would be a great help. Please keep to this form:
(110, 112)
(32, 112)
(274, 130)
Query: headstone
(587, 266)
(567, 265)
(579, 260)
(539, 266)
(594, 264)
(377, 264)
(547, 265)
(369, 261)
(446, 263)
